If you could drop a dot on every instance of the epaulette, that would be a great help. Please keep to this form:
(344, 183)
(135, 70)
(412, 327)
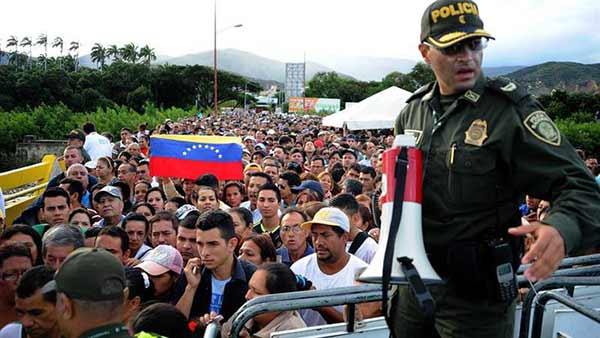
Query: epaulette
(508, 88)
(421, 91)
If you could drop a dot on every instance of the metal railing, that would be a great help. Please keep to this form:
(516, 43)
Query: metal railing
(570, 262)
(305, 300)
(541, 299)
(549, 284)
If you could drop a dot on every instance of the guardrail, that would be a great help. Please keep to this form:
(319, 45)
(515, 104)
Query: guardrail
(549, 284)
(305, 300)
(543, 298)
(36, 176)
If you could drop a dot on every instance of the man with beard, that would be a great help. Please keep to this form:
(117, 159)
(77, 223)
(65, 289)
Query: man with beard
(330, 266)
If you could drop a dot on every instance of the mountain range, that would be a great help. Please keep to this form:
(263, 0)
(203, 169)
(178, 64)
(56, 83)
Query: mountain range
(567, 76)
(540, 79)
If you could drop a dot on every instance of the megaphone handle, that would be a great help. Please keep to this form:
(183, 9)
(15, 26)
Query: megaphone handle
(400, 170)
(417, 286)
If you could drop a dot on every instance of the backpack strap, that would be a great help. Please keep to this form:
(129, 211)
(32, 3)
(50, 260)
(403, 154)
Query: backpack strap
(357, 242)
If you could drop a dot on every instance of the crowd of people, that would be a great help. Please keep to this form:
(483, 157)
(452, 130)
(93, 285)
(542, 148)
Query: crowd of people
(304, 217)
(165, 255)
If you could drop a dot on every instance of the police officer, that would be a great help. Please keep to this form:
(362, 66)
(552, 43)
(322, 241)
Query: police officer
(90, 293)
(485, 144)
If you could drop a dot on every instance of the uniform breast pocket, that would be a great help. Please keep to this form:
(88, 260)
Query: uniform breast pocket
(472, 175)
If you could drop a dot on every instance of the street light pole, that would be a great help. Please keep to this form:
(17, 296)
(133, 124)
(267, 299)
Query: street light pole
(215, 80)
(215, 97)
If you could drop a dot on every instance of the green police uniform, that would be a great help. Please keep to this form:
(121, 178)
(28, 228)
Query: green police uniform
(483, 149)
(107, 331)
(481, 153)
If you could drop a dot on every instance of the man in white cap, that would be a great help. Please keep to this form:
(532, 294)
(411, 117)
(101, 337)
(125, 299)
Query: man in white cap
(330, 266)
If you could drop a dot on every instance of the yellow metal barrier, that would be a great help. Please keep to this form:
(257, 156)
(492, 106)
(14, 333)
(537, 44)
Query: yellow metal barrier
(36, 176)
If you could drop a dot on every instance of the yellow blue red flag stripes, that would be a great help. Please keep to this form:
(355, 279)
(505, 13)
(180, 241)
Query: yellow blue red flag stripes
(189, 156)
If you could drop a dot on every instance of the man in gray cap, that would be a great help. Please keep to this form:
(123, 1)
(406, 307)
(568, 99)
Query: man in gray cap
(110, 206)
(90, 292)
(485, 142)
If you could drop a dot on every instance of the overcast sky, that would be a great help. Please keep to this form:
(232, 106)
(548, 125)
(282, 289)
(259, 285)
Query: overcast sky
(527, 31)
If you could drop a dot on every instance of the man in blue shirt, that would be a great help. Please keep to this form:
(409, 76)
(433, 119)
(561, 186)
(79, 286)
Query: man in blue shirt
(216, 282)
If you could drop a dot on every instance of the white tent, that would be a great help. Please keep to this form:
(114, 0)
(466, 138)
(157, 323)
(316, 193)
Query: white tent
(378, 111)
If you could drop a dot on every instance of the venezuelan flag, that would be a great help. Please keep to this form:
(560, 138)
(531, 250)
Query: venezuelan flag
(189, 156)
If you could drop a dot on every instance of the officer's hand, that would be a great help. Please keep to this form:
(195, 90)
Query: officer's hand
(547, 251)
(192, 272)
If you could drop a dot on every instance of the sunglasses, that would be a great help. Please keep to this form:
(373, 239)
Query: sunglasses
(474, 44)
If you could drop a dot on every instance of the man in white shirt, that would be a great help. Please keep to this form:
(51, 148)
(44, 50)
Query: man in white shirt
(95, 144)
(330, 266)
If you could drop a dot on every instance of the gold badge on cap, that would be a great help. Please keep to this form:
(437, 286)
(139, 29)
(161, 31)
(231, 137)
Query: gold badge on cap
(477, 133)
(541, 126)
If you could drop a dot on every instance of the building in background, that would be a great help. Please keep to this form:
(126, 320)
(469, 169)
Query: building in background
(295, 77)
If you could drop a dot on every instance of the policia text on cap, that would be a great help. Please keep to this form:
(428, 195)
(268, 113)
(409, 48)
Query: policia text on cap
(486, 143)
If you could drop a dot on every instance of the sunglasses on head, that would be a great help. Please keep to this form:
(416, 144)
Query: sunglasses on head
(473, 44)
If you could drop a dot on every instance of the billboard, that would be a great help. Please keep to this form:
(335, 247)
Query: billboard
(313, 105)
(294, 79)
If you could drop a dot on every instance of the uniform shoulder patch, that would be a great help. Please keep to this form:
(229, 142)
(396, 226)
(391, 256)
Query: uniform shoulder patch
(541, 127)
(421, 91)
(508, 88)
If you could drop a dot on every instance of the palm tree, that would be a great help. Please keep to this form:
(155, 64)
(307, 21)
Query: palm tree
(13, 41)
(98, 55)
(26, 42)
(75, 49)
(2, 53)
(147, 54)
(113, 52)
(129, 52)
(58, 43)
(43, 41)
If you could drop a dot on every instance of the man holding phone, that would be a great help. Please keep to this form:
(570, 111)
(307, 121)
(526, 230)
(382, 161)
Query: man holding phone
(215, 283)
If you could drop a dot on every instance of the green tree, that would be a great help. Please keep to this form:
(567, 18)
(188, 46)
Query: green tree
(129, 52)
(58, 43)
(147, 54)
(74, 47)
(13, 41)
(113, 52)
(400, 80)
(26, 42)
(98, 55)
(43, 41)
(422, 74)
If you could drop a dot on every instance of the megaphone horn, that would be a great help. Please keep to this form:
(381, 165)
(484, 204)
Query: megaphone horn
(408, 241)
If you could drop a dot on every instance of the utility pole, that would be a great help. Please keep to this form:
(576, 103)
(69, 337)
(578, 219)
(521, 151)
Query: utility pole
(216, 97)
